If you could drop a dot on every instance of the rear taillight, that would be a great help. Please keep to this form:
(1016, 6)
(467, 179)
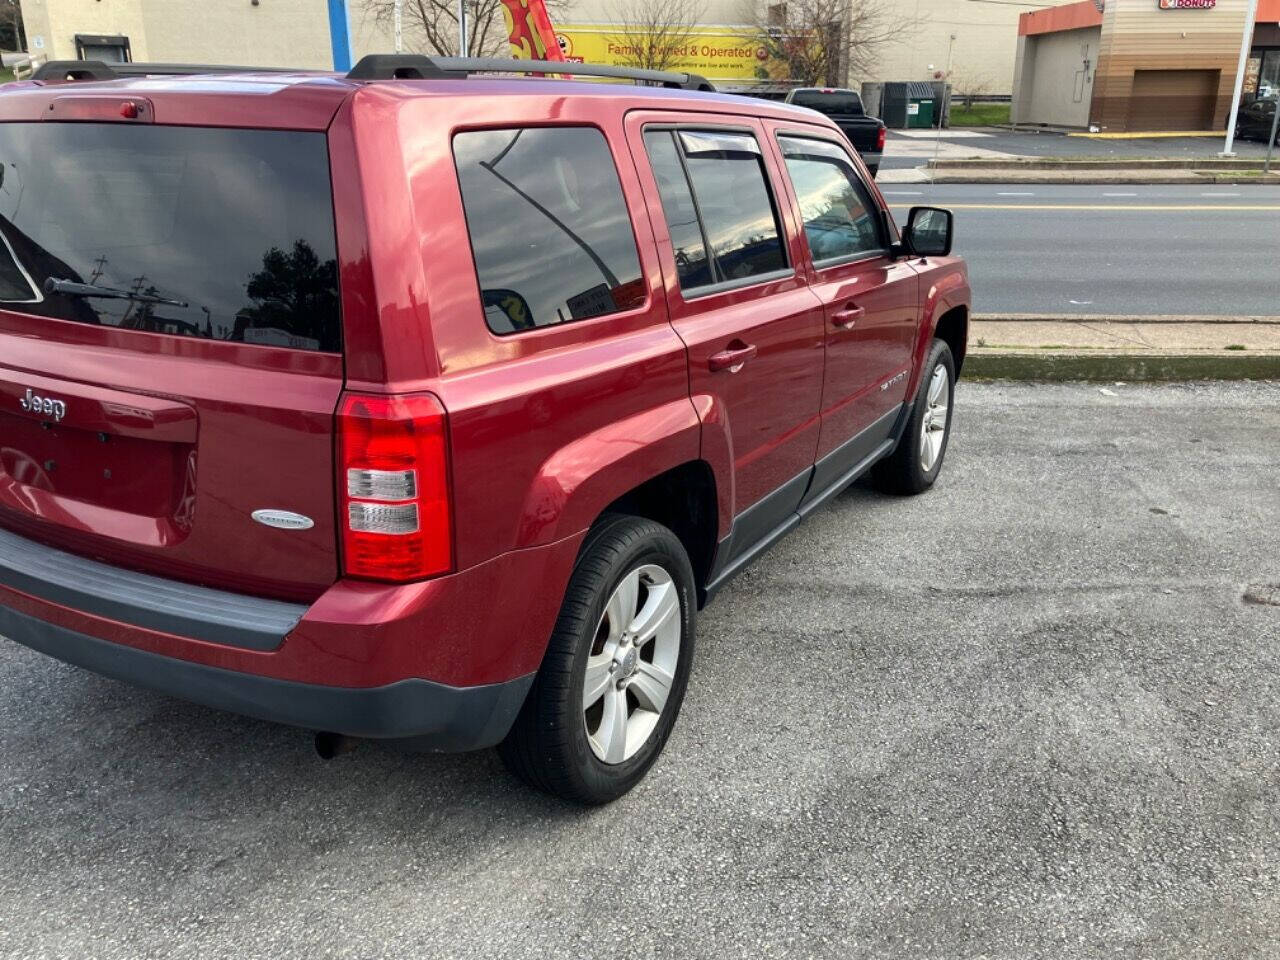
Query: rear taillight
(880, 139)
(394, 486)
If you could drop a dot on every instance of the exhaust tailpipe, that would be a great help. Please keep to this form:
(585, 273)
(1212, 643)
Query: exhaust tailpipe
(330, 745)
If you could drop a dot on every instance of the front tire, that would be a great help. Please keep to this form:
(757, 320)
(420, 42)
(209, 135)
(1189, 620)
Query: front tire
(616, 668)
(914, 466)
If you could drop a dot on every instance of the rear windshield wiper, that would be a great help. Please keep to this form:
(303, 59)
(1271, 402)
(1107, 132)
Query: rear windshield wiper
(73, 289)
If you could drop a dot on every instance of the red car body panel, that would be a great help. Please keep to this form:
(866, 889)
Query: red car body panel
(546, 428)
(247, 400)
(763, 421)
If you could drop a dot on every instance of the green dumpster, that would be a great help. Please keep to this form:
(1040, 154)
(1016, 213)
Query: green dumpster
(919, 111)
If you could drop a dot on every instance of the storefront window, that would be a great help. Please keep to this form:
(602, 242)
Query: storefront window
(1269, 78)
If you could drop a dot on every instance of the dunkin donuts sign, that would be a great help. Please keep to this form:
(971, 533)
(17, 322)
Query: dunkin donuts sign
(1188, 4)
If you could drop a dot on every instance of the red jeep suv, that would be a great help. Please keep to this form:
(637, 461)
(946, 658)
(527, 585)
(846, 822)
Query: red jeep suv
(430, 405)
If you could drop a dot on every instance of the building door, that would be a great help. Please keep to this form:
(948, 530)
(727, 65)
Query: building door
(1173, 99)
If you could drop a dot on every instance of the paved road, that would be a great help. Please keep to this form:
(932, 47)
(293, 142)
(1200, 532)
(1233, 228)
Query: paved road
(1027, 715)
(1204, 250)
(906, 150)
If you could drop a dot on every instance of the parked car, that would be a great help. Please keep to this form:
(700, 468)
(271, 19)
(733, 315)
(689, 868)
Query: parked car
(432, 407)
(1256, 121)
(844, 107)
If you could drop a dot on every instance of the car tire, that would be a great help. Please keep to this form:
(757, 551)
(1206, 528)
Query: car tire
(913, 467)
(628, 567)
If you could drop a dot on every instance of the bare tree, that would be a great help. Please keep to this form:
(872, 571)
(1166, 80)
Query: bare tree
(431, 26)
(654, 34)
(824, 41)
(11, 31)
(969, 85)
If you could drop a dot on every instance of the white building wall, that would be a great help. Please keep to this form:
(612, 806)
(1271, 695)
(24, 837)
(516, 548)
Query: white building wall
(275, 33)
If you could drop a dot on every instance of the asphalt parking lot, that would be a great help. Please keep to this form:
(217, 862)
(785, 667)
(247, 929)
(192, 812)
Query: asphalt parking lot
(1028, 715)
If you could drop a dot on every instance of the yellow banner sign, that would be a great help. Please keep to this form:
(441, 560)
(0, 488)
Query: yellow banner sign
(717, 53)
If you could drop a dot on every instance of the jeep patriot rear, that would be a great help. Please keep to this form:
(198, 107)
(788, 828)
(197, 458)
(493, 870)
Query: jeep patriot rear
(434, 409)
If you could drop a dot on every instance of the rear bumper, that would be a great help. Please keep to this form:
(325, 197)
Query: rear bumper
(444, 662)
(434, 715)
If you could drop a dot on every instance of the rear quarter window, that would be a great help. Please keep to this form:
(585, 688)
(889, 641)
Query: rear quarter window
(549, 228)
(222, 234)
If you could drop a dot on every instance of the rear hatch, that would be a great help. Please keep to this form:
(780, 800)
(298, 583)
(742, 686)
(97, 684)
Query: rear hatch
(170, 356)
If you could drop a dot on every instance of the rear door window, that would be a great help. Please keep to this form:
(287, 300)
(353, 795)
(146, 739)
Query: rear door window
(841, 221)
(723, 174)
(549, 228)
(832, 103)
(222, 234)
(687, 242)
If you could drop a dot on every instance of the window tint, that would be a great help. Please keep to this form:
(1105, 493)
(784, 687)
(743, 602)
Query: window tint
(738, 216)
(549, 228)
(840, 219)
(217, 233)
(687, 242)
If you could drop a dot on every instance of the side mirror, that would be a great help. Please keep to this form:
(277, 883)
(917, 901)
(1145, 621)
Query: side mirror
(929, 233)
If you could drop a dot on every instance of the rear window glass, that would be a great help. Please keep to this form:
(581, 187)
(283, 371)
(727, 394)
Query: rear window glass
(549, 228)
(837, 103)
(216, 233)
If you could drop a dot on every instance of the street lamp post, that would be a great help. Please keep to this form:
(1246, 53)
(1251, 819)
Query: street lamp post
(1245, 43)
(462, 27)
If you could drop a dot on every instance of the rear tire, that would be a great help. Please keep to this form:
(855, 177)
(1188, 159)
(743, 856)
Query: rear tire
(914, 466)
(622, 646)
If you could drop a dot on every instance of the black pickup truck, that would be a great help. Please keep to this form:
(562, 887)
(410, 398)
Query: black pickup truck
(867, 134)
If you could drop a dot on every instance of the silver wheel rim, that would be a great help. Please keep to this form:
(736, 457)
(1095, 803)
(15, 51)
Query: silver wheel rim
(937, 415)
(632, 664)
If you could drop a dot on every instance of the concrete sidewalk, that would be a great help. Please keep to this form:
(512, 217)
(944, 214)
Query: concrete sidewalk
(1085, 170)
(1043, 347)
(1017, 173)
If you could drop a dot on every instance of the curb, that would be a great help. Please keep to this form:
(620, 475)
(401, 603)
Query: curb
(1007, 365)
(1149, 135)
(1074, 164)
(1096, 318)
(917, 175)
(1144, 180)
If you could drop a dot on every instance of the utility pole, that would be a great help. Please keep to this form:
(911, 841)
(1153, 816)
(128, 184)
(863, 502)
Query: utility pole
(462, 27)
(399, 21)
(1245, 43)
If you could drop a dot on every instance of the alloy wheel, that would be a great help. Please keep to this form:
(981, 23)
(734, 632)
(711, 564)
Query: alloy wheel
(937, 412)
(632, 664)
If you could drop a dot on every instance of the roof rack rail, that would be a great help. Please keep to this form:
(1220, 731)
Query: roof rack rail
(418, 67)
(63, 70)
(396, 66)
